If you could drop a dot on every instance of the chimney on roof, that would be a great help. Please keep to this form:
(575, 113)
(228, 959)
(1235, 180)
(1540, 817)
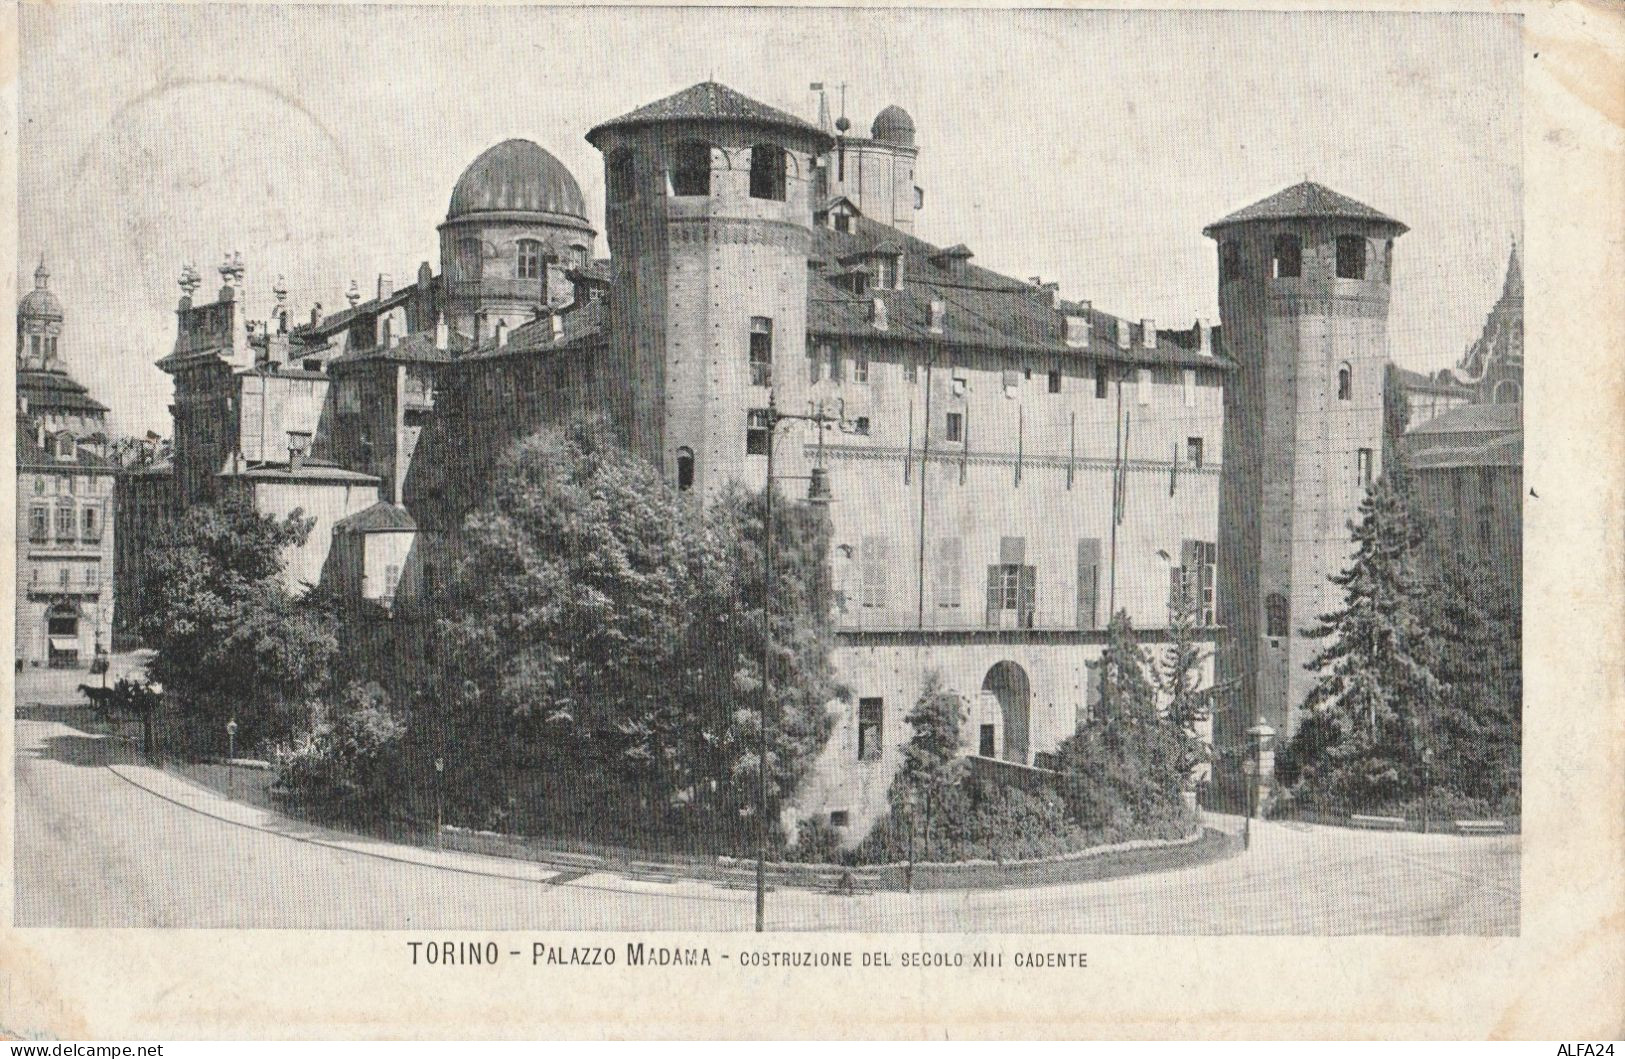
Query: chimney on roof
(316, 314)
(1124, 334)
(425, 274)
(558, 326)
(442, 333)
(385, 339)
(386, 286)
(298, 448)
(1204, 337)
(939, 315)
(500, 333)
(1148, 334)
(1048, 292)
(877, 313)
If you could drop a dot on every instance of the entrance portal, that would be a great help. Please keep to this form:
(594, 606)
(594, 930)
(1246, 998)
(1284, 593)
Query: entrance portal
(62, 636)
(1008, 683)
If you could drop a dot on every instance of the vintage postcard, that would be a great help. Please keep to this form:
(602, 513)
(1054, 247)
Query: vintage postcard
(822, 522)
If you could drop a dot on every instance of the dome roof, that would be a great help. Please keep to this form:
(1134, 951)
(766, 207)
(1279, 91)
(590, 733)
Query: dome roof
(39, 301)
(517, 175)
(894, 126)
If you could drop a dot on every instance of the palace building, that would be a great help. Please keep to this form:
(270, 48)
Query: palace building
(1011, 468)
(65, 493)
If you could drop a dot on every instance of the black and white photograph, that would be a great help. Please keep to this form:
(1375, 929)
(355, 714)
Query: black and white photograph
(699, 472)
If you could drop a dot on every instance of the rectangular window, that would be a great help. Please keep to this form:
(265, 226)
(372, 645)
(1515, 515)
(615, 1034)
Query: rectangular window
(1194, 578)
(39, 524)
(761, 351)
(62, 576)
(860, 426)
(1077, 331)
(870, 720)
(843, 223)
(956, 427)
(392, 578)
(92, 576)
(1142, 385)
(986, 745)
(911, 371)
(1011, 586)
(949, 562)
(834, 363)
(1363, 466)
(1351, 257)
(1055, 380)
(1193, 452)
(92, 529)
(876, 560)
(756, 432)
(691, 170)
(1010, 379)
(815, 362)
(1089, 583)
(886, 272)
(860, 367)
(64, 523)
(1189, 379)
(1100, 381)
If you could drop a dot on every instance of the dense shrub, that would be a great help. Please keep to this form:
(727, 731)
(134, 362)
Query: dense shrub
(346, 764)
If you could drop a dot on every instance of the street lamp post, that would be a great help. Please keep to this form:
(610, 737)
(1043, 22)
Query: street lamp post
(1259, 767)
(439, 789)
(1427, 785)
(231, 755)
(817, 493)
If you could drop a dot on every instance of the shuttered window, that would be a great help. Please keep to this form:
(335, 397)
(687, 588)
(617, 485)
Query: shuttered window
(876, 559)
(949, 563)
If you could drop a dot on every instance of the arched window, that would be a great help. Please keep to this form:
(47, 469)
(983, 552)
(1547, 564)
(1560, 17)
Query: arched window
(470, 259)
(767, 169)
(691, 169)
(1275, 615)
(530, 259)
(685, 468)
(1507, 391)
(618, 176)
(1287, 262)
(1229, 260)
(1351, 257)
(1345, 382)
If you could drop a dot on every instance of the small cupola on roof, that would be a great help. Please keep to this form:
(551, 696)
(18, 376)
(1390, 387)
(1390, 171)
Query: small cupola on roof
(893, 125)
(709, 101)
(40, 303)
(517, 176)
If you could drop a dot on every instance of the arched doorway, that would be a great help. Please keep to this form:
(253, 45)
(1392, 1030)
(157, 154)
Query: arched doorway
(1007, 682)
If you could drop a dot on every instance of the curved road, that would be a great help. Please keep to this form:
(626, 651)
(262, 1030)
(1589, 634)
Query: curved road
(102, 841)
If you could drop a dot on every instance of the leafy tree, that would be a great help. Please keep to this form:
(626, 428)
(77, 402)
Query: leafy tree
(599, 623)
(230, 640)
(932, 765)
(346, 764)
(1477, 731)
(1127, 767)
(1377, 694)
(1179, 679)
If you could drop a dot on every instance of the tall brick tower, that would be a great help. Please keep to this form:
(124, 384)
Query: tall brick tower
(709, 226)
(1304, 280)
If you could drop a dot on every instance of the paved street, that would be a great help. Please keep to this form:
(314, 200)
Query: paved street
(105, 841)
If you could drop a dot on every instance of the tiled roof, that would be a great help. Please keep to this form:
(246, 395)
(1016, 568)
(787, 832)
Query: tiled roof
(1416, 380)
(379, 518)
(1475, 419)
(416, 348)
(310, 471)
(338, 321)
(708, 101)
(583, 325)
(31, 456)
(984, 310)
(1505, 451)
(55, 389)
(1305, 200)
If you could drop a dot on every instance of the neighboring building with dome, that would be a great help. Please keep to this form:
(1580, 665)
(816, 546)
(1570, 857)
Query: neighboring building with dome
(1014, 467)
(65, 497)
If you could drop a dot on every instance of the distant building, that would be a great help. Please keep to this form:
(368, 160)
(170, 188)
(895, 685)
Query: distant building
(1467, 472)
(65, 497)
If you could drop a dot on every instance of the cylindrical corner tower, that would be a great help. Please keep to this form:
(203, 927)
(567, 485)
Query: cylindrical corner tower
(708, 222)
(1304, 280)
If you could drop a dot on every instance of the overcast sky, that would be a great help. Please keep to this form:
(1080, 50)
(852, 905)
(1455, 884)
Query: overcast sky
(1088, 148)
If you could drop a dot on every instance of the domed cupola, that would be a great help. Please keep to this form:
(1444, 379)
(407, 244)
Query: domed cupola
(40, 303)
(515, 226)
(517, 176)
(893, 125)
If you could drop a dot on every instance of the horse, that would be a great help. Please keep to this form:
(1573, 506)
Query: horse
(101, 699)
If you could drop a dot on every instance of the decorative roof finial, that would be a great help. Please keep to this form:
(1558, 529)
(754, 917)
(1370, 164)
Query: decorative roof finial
(42, 275)
(225, 267)
(353, 294)
(280, 290)
(189, 280)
